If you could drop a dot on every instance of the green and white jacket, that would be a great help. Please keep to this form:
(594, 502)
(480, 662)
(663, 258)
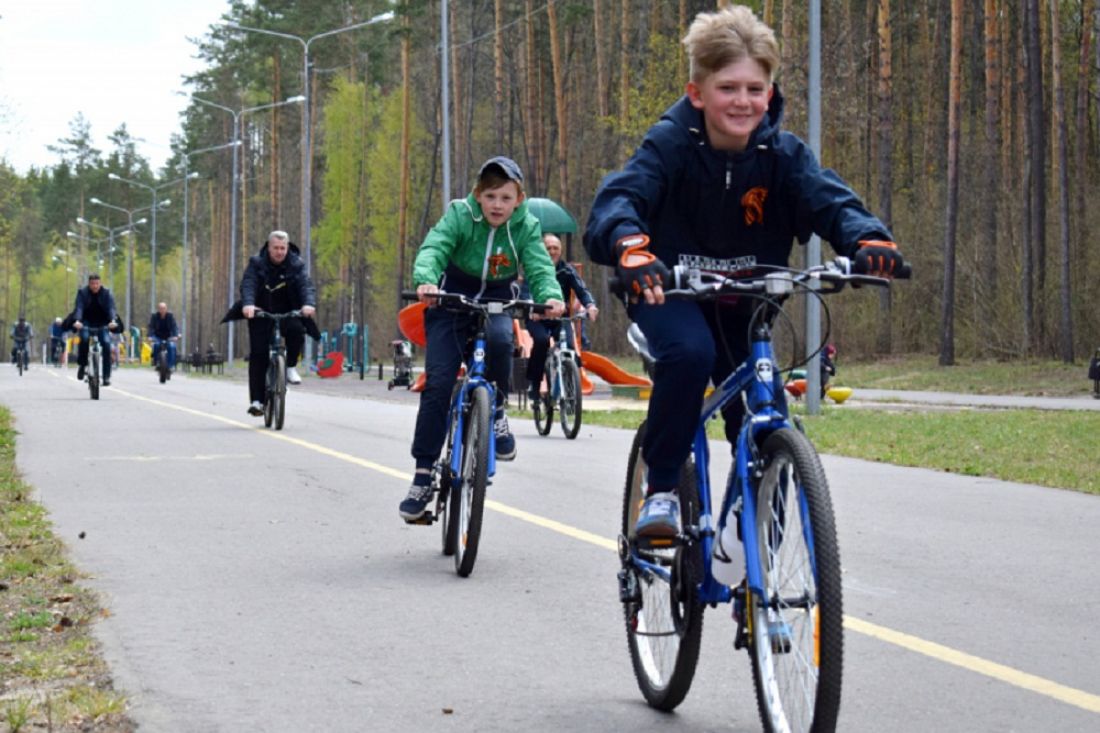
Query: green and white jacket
(463, 253)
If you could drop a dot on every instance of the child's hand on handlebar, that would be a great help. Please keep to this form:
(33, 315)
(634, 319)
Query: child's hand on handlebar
(639, 270)
(308, 311)
(555, 309)
(424, 290)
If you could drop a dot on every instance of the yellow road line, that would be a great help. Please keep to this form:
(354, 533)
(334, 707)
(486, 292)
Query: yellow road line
(939, 652)
(1068, 695)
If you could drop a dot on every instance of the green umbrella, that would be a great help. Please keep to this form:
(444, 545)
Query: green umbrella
(554, 219)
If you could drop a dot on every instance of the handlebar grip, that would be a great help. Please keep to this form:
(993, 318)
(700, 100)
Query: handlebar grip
(409, 295)
(905, 272)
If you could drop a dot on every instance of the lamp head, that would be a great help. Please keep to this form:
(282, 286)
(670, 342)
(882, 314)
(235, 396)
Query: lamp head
(114, 176)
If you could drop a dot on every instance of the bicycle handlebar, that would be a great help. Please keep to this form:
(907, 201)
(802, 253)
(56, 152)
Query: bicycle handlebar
(459, 302)
(278, 316)
(692, 283)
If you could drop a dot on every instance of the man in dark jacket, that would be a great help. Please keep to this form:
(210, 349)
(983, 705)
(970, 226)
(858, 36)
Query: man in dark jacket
(275, 281)
(542, 330)
(95, 307)
(162, 328)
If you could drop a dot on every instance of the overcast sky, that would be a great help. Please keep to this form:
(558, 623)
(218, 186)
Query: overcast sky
(115, 61)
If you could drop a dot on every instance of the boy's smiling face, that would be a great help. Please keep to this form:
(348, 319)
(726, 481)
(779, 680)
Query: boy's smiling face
(734, 100)
(498, 204)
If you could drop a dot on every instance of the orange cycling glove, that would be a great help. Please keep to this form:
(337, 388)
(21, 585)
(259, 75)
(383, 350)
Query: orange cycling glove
(637, 267)
(878, 257)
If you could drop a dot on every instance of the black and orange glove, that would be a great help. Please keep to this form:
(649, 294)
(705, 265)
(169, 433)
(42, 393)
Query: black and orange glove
(879, 258)
(638, 268)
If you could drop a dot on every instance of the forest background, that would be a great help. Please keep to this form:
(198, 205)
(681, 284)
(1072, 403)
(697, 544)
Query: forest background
(971, 128)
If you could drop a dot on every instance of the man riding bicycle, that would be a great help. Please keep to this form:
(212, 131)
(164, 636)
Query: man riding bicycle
(275, 281)
(543, 329)
(163, 329)
(57, 341)
(95, 307)
(21, 334)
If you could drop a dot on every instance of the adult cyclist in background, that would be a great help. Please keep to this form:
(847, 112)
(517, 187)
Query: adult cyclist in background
(21, 334)
(542, 330)
(275, 281)
(162, 328)
(95, 307)
(57, 341)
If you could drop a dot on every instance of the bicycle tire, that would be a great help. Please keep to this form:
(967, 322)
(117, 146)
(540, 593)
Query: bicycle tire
(664, 625)
(569, 409)
(469, 503)
(162, 365)
(269, 388)
(279, 395)
(444, 507)
(19, 361)
(797, 672)
(93, 378)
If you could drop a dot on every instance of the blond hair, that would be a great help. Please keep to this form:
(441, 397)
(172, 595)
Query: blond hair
(716, 40)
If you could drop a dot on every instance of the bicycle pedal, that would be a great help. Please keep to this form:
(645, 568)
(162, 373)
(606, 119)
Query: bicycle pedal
(426, 518)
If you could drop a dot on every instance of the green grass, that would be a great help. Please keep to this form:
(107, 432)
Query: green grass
(1017, 377)
(54, 677)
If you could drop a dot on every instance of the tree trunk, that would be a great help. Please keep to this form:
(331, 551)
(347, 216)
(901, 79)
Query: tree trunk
(885, 157)
(276, 211)
(599, 31)
(498, 72)
(559, 104)
(624, 75)
(954, 96)
(1081, 177)
(403, 195)
(1058, 125)
(991, 193)
(1036, 147)
(458, 154)
(1032, 148)
(534, 124)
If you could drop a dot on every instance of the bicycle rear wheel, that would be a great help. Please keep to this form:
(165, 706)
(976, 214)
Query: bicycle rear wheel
(570, 398)
(468, 496)
(279, 395)
(796, 638)
(664, 619)
(543, 405)
(444, 508)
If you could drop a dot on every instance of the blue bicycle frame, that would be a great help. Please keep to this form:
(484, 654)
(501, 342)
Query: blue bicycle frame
(475, 379)
(757, 377)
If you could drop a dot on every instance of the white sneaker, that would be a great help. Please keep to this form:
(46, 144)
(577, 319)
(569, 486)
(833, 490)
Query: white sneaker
(292, 375)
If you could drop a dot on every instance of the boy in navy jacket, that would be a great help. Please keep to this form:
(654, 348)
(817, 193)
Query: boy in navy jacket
(716, 185)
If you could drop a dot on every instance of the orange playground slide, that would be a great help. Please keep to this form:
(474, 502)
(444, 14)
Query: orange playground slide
(609, 371)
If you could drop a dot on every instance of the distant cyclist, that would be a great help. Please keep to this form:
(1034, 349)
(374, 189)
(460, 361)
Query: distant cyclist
(162, 328)
(95, 307)
(21, 335)
(275, 281)
(57, 340)
(542, 330)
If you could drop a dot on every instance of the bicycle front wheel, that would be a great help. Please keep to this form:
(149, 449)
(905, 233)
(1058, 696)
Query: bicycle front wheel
(468, 496)
(19, 361)
(664, 619)
(796, 637)
(543, 405)
(570, 406)
(279, 394)
(162, 365)
(93, 377)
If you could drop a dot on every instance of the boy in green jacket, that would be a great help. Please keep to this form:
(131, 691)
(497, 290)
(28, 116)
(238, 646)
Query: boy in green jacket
(476, 250)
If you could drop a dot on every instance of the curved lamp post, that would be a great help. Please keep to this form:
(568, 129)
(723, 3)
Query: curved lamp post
(305, 143)
(111, 232)
(153, 190)
(234, 195)
(129, 251)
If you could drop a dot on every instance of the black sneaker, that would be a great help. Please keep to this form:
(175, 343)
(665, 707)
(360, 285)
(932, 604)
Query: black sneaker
(533, 393)
(106, 382)
(415, 503)
(80, 374)
(506, 442)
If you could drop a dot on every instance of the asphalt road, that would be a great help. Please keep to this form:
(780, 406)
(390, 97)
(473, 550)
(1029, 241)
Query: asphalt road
(262, 581)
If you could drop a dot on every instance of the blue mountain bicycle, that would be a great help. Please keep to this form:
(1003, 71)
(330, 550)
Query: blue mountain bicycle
(468, 462)
(788, 607)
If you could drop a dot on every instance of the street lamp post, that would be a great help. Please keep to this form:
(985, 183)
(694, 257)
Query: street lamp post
(305, 137)
(234, 195)
(64, 263)
(153, 251)
(186, 212)
(129, 251)
(111, 232)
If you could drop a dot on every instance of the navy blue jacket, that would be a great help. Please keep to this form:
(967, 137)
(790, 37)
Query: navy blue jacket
(725, 211)
(163, 328)
(570, 281)
(277, 288)
(94, 309)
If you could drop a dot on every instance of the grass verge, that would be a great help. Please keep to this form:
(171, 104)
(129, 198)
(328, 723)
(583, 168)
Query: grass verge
(1043, 447)
(53, 675)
